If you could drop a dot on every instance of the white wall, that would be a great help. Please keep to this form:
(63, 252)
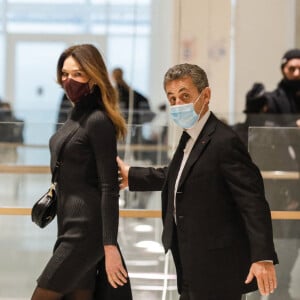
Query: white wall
(263, 31)
(162, 37)
(204, 39)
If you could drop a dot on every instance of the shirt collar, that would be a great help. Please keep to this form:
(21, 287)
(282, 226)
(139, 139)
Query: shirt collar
(195, 130)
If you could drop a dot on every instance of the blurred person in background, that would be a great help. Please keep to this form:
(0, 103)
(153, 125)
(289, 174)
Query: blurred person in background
(11, 129)
(284, 101)
(11, 133)
(141, 107)
(135, 108)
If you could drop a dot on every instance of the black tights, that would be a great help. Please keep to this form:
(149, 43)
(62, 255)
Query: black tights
(43, 294)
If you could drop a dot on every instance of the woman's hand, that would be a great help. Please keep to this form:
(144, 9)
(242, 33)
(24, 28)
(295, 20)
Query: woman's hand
(116, 273)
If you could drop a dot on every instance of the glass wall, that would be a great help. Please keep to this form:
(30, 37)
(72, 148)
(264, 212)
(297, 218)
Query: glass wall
(25, 248)
(276, 151)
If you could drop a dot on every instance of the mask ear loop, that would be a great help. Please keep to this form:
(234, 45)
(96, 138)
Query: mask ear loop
(202, 108)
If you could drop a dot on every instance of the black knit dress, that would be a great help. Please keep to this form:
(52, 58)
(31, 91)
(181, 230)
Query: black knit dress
(88, 192)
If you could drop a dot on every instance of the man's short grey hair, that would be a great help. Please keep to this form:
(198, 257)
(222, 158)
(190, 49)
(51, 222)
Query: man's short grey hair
(180, 71)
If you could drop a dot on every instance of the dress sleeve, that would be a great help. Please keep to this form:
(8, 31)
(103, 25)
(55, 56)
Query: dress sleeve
(102, 136)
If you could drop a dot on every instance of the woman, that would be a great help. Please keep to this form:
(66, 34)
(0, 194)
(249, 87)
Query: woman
(87, 185)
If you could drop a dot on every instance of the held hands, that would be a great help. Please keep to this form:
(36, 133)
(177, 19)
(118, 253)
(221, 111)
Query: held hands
(115, 270)
(123, 173)
(265, 275)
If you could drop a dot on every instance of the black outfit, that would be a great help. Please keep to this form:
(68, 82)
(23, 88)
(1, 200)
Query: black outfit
(11, 130)
(141, 114)
(88, 193)
(284, 102)
(223, 221)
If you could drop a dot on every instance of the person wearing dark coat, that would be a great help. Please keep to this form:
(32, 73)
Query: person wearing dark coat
(284, 101)
(216, 220)
(135, 108)
(11, 128)
(87, 184)
(140, 107)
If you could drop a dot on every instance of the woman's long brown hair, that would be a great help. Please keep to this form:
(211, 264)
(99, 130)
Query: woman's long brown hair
(92, 63)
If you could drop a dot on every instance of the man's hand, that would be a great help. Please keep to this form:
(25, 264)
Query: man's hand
(123, 173)
(265, 275)
(115, 270)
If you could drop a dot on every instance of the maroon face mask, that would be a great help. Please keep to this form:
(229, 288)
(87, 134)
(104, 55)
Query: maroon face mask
(75, 90)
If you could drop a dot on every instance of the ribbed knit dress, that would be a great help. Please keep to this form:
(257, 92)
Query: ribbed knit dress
(88, 192)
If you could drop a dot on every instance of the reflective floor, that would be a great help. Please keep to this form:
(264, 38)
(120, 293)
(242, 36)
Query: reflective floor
(25, 248)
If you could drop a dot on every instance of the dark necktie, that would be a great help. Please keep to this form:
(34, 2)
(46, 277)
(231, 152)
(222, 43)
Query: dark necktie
(178, 155)
(173, 173)
(183, 140)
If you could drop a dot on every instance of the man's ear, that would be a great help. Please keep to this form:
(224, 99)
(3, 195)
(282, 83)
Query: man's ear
(207, 94)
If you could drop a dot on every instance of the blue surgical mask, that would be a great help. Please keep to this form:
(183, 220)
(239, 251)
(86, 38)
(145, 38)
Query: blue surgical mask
(184, 115)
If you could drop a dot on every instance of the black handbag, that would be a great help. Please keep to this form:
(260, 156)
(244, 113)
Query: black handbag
(44, 209)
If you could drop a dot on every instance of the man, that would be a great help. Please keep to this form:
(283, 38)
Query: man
(135, 108)
(216, 219)
(142, 112)
(285, 99)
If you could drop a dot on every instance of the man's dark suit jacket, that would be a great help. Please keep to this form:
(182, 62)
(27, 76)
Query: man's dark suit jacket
(223, 219)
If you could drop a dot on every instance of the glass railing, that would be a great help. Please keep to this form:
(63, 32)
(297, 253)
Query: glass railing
(24, 175)
(276, 151)
(25, 248)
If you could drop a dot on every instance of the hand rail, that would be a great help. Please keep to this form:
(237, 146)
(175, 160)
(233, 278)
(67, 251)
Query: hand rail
(280, 175)
(34, 169)
(144, 213)
(135, 147)
(124, 213)
(23, 169)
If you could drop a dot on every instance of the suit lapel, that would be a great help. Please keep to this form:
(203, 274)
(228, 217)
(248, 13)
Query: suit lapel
(200, 145)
